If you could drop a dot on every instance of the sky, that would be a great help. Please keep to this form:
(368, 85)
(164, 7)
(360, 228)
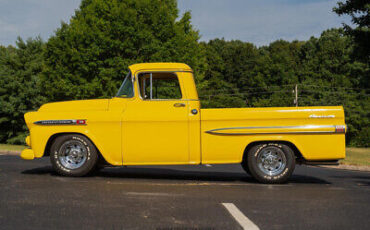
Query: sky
(256, 21)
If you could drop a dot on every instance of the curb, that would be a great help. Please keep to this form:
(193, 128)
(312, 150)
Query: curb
(10, 153)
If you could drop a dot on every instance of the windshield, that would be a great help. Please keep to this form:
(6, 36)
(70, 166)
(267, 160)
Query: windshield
(126, 89)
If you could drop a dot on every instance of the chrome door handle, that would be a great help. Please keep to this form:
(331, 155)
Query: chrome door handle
(179, 105)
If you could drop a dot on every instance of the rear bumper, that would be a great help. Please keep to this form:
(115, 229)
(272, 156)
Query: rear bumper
(27, 154)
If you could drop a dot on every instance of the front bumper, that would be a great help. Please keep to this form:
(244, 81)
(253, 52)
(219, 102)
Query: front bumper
(27, 154)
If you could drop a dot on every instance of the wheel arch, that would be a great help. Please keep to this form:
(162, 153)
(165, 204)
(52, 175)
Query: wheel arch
(297, 152)
(56, 135)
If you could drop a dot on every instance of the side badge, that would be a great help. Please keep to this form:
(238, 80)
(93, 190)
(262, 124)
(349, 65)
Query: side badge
(321, 116)
(194, 111)
(61, 122)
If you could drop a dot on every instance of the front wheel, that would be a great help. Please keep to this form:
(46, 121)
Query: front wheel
(73, 155)
(271, 163)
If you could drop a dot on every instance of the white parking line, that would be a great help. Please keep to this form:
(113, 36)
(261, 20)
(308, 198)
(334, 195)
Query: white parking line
(246, 223)
(151, 194)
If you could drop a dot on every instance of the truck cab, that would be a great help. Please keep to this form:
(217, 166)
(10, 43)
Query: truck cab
(161, 121)
(156, 119)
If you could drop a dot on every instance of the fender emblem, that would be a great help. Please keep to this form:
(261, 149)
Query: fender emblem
(61, 122)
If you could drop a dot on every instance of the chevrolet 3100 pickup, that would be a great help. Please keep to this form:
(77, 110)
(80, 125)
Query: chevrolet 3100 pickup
(156, 119)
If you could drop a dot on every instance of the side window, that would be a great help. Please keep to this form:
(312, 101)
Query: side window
(126, 89)
(159, 86)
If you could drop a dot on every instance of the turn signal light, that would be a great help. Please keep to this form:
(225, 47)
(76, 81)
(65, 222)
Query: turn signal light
(81, 122)
(340, 128)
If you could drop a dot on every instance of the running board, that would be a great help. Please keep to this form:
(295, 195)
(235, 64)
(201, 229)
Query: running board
(331, 162)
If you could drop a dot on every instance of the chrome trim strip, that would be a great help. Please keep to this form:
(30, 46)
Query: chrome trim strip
(59, 122)
(214, 131)
(303, 132)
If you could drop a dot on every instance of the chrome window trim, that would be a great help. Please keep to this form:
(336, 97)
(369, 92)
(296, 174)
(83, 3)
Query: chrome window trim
(151, 72)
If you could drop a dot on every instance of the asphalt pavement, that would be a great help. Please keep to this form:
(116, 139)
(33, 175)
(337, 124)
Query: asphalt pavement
(32, 196)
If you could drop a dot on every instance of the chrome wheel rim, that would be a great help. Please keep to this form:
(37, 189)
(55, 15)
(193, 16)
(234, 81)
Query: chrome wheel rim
(72, 154)
(271, 161)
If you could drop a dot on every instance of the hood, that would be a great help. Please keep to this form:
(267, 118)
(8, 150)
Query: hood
(82, 105)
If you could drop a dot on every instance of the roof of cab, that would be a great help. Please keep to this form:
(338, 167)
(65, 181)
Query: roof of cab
(160, 66)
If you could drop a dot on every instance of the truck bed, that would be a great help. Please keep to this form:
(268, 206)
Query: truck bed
(317, 132)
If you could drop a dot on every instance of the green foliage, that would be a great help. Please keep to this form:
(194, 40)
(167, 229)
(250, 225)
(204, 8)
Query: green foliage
(241, 75)
(359, 11)
(88, 58)
(20, 69)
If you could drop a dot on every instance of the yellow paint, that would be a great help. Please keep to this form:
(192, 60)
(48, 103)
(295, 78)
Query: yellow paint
(27, 154)
(28, 141)
(133, 131)
(318, 146)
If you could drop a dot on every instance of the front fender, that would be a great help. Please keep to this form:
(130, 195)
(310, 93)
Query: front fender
(102, 128)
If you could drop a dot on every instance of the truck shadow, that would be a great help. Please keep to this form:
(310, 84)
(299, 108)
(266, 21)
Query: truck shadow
(178, 175)
(210, 176)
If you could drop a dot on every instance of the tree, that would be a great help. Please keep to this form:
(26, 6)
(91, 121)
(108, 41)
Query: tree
(228, 70)
(239, 74)
(359, 11)
(20, 69)
(329, 76)
(88, 57)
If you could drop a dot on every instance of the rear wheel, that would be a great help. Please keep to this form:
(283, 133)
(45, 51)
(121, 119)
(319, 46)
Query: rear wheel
(245, 166)
(73, 155)
(271, 163)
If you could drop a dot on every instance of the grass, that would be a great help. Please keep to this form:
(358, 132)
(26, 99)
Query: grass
(355, 156)
(7, 147)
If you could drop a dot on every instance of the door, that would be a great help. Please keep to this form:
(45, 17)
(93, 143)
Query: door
(155, 125)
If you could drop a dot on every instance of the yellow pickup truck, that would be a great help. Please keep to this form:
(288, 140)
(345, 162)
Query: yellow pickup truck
(156, 119)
